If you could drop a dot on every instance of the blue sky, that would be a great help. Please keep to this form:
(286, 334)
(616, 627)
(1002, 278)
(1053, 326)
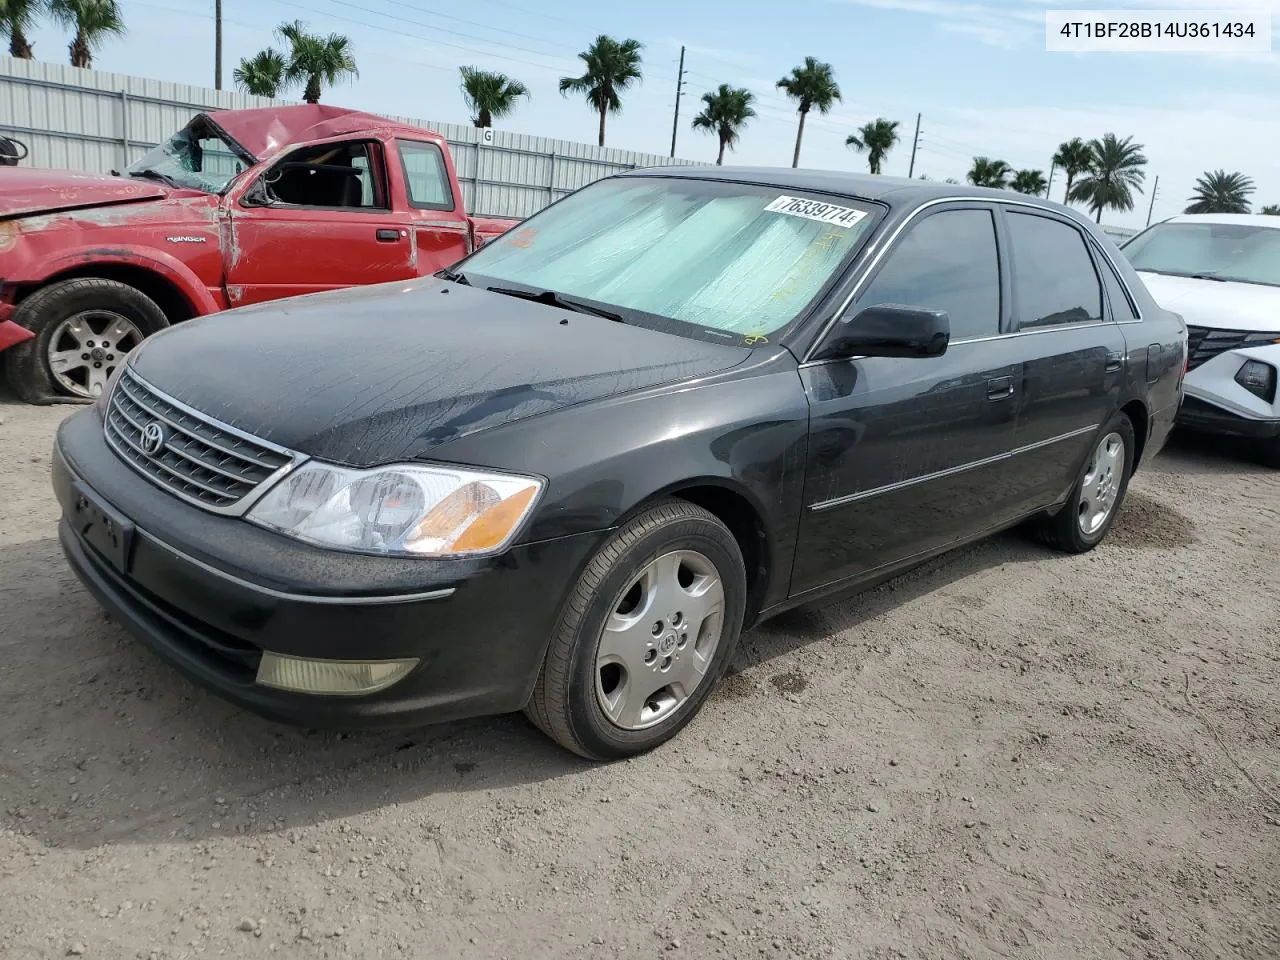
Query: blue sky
(977, 71)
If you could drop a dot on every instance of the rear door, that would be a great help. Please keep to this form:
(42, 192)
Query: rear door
(327, 222)
(441, 230)
(907, 455)
(1073, 355)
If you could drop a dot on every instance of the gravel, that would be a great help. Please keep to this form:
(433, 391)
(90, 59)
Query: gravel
(868, 783)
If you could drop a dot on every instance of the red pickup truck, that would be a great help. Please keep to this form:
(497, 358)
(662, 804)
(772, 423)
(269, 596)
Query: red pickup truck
(238, 207)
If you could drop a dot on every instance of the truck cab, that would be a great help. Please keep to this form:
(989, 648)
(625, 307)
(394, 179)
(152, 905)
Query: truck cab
(238, 207)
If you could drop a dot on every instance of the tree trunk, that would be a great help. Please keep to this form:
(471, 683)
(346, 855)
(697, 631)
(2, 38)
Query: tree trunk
(795, 159)
(19, 47)
(485, 119)
(1066, 197)
(81, 55)
(1098, 216)
(312, 93)
(602, 113)
(720, 159)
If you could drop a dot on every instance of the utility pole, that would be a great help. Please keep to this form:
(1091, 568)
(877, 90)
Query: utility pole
(217, 44)
(915, 142)
(1049, 189)
(675, 121)
(1155, 187)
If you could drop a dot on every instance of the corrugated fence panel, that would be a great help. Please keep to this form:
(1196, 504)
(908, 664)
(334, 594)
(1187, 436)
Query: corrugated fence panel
(95, 121)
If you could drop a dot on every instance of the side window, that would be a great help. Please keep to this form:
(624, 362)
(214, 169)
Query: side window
(947, 261)
(1054, 280)
(425, 175)
(336, 175)
(1121, 306)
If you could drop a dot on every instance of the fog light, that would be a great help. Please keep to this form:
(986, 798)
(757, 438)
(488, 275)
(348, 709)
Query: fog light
(1259, 379)
(332, 677)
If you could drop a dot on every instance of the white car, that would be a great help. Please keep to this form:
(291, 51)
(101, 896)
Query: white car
(1221, 272)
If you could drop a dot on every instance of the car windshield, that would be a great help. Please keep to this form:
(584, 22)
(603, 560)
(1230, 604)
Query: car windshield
(195, 157)
(1244, 252)
(715, 260)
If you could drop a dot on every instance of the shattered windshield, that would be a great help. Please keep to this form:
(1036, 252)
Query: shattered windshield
(195, 157)
(712, 259)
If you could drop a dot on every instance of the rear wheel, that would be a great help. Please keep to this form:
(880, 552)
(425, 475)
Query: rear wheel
(1097, 495)
(84, 329)
(646, 633)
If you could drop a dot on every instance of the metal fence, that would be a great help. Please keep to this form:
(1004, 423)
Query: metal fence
(93, 121)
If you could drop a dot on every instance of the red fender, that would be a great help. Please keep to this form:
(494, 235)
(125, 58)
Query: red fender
(157, 261)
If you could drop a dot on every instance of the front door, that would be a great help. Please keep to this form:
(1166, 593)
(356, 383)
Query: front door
(1073, 356)
(327, 222)
(908, 455)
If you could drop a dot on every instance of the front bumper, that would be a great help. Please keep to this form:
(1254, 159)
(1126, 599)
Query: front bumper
(1197, 414)
(209, 594)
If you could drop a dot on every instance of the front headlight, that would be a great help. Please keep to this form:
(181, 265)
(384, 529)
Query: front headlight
(406, 509)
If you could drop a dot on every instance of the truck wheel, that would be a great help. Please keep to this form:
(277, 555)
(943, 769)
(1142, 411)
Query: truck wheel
(83, 330)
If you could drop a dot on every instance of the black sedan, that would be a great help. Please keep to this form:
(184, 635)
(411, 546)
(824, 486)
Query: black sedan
(565, 475)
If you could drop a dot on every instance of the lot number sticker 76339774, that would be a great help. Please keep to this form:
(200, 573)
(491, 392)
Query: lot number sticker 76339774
(817, 210)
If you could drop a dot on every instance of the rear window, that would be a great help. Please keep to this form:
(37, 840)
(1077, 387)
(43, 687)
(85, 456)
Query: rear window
(425, 175)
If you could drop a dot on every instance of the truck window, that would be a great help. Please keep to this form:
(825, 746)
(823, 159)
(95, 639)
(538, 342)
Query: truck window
(425, 175)
(333, 175)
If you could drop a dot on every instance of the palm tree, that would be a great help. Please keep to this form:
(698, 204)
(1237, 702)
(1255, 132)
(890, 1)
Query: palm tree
(92, 20)
(812, 85)
(1271, 210)
(490, 95)
(261, 74)
(1115, 171)
(17, 19)
(1221, 192)
(989, 173)
(315, 59)
(877, 138)
(1073, 157)
(1029, 181)
(612, 66)
(726, 112)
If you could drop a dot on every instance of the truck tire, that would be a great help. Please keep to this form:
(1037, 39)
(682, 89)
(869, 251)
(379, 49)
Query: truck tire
(83, 330)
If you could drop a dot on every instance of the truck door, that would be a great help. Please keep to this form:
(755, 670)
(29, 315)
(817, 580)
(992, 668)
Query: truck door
(441, 230)
(319, 218)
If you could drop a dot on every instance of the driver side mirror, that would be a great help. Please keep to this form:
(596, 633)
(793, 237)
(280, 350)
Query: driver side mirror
(889, 330)
(257, 195)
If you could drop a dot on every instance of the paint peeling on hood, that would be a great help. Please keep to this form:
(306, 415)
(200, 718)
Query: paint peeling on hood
(26, 191)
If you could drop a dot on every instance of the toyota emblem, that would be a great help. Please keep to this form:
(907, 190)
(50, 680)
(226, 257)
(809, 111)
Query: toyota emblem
(152, 438)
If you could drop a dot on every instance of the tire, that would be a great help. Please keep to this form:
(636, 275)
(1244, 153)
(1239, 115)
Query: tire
(95, 307)
(1066, 530)
(586, 705)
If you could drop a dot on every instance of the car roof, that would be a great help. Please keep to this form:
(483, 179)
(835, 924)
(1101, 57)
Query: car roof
(864, 186)
(1252, 219)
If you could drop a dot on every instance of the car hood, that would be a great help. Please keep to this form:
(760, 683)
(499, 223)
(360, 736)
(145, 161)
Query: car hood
(1222, 305)
(24, 191)
(378, 374)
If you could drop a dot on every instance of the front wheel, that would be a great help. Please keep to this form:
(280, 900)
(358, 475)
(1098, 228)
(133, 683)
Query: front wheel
(645, 634)
(84, 329)
(1098, 493)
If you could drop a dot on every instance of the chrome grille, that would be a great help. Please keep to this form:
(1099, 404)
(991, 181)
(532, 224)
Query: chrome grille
(1203, 344)
(195, 457)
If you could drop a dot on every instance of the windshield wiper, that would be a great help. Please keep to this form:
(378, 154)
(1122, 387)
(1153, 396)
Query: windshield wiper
(553, 299)
(149, 174)
(454, 277)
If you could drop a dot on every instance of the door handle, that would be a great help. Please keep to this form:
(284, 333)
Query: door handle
(387, 235)
(999, 388)
(1115, 360)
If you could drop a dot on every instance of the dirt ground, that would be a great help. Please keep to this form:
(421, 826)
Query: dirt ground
(1009, 753)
